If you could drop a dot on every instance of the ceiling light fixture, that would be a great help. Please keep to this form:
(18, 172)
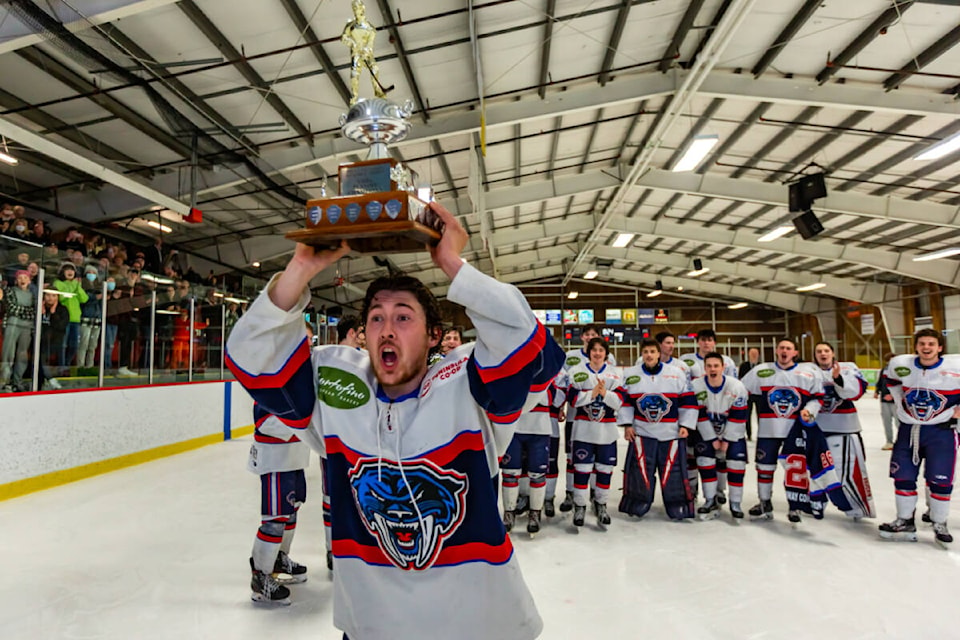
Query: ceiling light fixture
(812, 287)
(657, 290)
(622, 240)
(573, 295)
(590, 275)
(737, 305)
(936, 255)
(157, 225)
(940, 149)
(5, 155)
(779, 232)
(698, 268)
(696, 151)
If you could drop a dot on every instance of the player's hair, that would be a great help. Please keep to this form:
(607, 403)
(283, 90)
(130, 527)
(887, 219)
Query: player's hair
(457, 328)
(714, 355)
(346, 323)
(404, 282)
(647, 342)
(707, 333)
(590, 327)
(663, 335)
(595, 341)
(928, 333)
(790, 340)
(826, 344)
(888, 356)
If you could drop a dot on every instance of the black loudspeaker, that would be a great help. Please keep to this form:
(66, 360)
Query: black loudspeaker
(808, 225)
(804, 191)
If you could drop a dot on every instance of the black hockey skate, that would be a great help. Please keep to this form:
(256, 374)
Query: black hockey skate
(794, 516)
(286, 566)
(579, 515)
(762, 511)
(926, 517)
(533, 522)
(523, 503)
(902, 529)
(603, 517)
(721, 498)
(567, 503)
(508, 519)
(943, 537)
(265, 588)
(329, 560)
(548, 508)
(735, 511)
(709, 510)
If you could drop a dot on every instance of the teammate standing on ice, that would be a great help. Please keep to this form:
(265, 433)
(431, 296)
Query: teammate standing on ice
(659, 409)
(723, 405)
(785, 390)
(926, 392)
(592, 395)
(843, 384)
(411, 450)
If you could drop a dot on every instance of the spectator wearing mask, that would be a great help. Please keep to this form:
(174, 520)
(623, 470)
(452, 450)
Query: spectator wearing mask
(90, 318)
(74, 298)
(110, 335)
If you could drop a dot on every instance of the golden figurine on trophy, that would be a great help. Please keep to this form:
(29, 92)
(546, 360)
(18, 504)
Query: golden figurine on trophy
(377, 208)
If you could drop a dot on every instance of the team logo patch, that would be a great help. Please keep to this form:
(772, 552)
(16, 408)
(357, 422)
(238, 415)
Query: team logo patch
(831, 401)
(783, 401)
(924, 404)
(410, 534)
(903, 372)
(718, 420)
(701, 396)
(765, 373)
(341, 389)
(573, 361)
(689, 362)
(633, 379)
(580, 376)
(597, 409)
(654, 407)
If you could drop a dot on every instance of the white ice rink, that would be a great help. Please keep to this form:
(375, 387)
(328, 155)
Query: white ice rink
(160, 551)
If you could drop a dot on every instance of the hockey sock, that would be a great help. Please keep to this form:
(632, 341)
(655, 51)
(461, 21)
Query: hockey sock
(940, 501)
(708, 474)
(327, 530)
(765, 480)
(267, 544)
(906, 497)
(288, 532)
(602, 490)
(511, 488)
(735, 473)
(525, 484)
(551, 487)
(721, 474)
(581, 486)
(538, 490)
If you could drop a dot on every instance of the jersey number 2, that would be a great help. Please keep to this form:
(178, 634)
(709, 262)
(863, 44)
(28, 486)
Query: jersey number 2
(796, 472)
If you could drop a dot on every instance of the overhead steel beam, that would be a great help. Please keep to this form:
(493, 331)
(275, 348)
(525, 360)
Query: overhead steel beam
(875, 140)
(815, 147)
(796, 23)
(14, 187)
(408, 74)
(550, 13)
(216, 37)
(925, 57)
(686, 23)
(880, 24)
(774, 142)
(310, 36)
(717, 17)
(695, 130)
(611, 51)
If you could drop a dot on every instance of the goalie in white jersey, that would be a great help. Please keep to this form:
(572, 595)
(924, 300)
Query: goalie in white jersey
(843, 384)
(723, 404)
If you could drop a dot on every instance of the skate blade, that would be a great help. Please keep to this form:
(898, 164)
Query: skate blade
(899, 537)
(712, 515)
(259, 598)
(762, 518)
(286, 578)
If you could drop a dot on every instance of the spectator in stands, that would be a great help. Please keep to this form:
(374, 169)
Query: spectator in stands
(53, 329)
(90, 317)
(167, 308)
(20, 307)
(130, 301)
(51, 256)
(74, 297)
(153, 257)
(20, 227)
(34, 270)
(211, 314)
(113, 297)
(40, 232)
(232, 315)
(73, 241)
(10, 271)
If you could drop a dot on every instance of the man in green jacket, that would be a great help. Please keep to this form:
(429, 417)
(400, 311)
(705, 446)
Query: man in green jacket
(72, 297)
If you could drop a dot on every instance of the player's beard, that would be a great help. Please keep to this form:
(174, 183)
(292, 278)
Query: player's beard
(408, 368)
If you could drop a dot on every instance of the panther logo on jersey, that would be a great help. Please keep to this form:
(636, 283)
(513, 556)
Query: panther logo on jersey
(411, 512)
(718, 420)
(596, 409)
(654, 407)
(924, 404)
(831, 401)
(783, 401)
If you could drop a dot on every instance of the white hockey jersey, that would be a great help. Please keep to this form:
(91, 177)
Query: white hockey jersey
(783, 394)
(595, 419)
(276, 447)
(924, 395)
(694, 362)
(673, 362)
(419, 547)
(722, 411)
(657, 403)
(579, 356)
(839, 414)
(537, 420)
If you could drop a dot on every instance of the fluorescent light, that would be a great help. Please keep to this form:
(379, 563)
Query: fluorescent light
(157, 225)
(737, 305)
(654, 293)
(573, 295)
(699, 147)
(255, 264)
(698, 272)
(812, 287)
(9, 159)
(590, 275)
(152, 278)
(680, 288)
(237, 300)
(622, 240)
(780, 231)
(940, 149)
(936, 255)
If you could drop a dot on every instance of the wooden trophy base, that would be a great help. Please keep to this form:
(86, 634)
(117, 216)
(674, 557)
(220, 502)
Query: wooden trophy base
(382, 223)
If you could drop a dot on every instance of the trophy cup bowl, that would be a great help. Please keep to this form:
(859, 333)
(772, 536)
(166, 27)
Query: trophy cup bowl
(376, 210)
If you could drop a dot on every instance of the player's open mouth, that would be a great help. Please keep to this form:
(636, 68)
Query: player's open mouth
(388, 357)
